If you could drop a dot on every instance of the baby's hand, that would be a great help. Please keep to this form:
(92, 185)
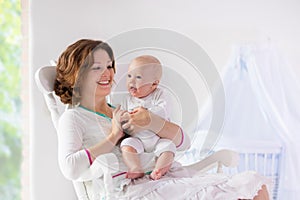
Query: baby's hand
(139, 119)
(125, 117)
(124, 123)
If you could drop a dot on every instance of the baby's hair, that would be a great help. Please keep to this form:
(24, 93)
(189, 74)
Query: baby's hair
(151, 61)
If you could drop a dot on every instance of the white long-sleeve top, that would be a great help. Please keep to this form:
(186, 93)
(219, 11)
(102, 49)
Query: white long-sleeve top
(79, 129)
(156, 102)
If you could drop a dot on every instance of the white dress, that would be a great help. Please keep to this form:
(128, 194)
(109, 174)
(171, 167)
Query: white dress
(79, 129)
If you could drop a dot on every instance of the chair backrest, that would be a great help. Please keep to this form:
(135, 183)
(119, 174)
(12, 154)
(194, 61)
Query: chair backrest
(45, 78)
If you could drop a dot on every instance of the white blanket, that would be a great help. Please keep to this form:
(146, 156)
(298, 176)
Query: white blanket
(179, 184)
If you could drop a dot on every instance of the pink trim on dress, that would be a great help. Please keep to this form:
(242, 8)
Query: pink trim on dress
(89, 156)
(182, 138)
(119, 174)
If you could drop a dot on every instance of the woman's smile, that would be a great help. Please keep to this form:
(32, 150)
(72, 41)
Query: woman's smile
(104, 83)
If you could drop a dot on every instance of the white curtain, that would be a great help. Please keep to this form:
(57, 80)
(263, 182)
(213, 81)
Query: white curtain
(278, 92)
(262, 97)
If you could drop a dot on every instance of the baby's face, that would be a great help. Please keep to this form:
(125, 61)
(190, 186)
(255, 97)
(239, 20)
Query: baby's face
(141, 79)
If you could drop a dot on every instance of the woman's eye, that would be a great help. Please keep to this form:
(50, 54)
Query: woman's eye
(138, 77)
(96, 68)
(129, 75)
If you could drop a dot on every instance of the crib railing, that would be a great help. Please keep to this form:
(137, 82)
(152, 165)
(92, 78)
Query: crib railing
(263, 157)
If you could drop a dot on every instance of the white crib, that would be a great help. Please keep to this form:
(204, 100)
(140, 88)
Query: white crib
(263, 157)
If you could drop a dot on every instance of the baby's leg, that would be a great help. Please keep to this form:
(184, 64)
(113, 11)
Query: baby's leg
(165, 150)
(131, 147)
(163, 164)
(132, 160)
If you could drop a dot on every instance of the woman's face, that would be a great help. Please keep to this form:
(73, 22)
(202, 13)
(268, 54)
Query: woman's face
(99, 78)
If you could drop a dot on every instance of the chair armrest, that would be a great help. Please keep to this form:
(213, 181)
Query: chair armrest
(103, 164)
(80, 190)
(218, 159)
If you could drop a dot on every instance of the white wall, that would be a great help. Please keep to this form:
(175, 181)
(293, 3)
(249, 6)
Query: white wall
(215, 25)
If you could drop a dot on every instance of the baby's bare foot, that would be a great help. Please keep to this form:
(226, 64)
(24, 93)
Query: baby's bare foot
(158, 173)
(134, 175)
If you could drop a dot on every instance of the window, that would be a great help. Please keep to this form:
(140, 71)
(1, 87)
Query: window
(10, 99)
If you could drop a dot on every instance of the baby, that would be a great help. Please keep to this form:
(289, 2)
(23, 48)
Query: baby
(144, 74)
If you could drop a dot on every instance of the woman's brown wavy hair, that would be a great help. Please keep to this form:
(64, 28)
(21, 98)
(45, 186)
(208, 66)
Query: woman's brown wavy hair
(72, 67)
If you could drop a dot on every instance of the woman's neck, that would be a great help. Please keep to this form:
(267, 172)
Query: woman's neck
(96, 105)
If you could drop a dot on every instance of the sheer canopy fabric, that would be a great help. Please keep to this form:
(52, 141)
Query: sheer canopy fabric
(262, 103)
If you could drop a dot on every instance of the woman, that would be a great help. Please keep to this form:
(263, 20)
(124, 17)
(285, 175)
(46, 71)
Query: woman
(92, 127)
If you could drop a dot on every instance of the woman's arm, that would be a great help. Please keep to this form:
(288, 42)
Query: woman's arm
(112, 139)
(142, 119)
(104, 146)
(73, 158)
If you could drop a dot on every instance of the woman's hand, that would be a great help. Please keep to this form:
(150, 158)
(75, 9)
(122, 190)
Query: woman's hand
(135, 121)
(142, 119)
(116, 129)
(107, 145)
